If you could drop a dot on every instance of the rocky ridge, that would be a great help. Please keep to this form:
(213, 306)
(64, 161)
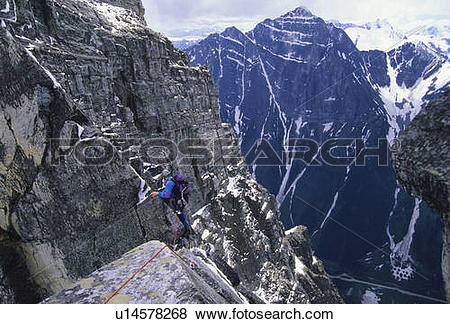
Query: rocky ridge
(422, 166)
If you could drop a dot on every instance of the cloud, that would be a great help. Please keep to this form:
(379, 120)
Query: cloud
(180, 18)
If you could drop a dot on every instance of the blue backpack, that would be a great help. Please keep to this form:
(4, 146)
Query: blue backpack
(181, 189)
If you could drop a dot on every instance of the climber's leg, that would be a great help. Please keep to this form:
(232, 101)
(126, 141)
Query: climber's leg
(180, 215)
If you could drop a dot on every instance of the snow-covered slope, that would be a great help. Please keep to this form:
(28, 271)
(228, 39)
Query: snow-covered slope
(415, 74)
(415, 65)
(378, 35)
(436, 36)
(381, 35)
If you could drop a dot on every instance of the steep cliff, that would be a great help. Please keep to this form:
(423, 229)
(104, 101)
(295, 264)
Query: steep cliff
(423, 168)
(89, 76)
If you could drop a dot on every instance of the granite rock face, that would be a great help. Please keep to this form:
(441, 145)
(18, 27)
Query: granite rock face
(90, 77)
(422, 166)
(275, 267)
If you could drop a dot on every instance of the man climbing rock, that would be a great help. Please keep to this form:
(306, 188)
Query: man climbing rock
(175, 193)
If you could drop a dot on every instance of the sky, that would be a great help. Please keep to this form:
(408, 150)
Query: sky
(185, 19)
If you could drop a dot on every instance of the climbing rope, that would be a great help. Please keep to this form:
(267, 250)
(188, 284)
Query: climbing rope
(150, 260)
(134, 274)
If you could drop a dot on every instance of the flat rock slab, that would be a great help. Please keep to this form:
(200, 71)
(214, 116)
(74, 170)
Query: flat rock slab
(185, 277)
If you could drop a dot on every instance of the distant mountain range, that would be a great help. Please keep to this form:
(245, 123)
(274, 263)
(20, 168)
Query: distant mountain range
(184, 43)
(380, 35)
(436, 37)
(298, 76)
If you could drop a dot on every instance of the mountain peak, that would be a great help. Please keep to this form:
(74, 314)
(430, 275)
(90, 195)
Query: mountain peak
(379, 23)
(231, 31)
(299, 12)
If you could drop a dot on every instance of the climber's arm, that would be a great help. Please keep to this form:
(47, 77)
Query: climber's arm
(167, 192)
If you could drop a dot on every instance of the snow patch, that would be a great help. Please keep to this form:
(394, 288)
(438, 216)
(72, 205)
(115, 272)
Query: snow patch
(315, 260)
(333, 205)
(410, 99)
(290, 231)
(200, 211)
(401, 261)
(299, 124)
(234, 60)
(6, 9)
(143, 191)
(378, 35)
(285, 58)
(143, 188)
(299, 266)
(231, 40)
(80, 130)
(327, 127)
(119, 18)
(233, 187)
(436, 36)
(205, 234)
(49, 74)
(370, 297)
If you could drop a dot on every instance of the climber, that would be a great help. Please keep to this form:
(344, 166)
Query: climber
(175, 193)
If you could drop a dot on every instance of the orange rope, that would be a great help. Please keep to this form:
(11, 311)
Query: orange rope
(150, 260)
(134, 274)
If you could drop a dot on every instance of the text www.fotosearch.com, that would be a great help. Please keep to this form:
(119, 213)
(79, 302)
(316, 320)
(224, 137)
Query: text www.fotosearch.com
(246, 314)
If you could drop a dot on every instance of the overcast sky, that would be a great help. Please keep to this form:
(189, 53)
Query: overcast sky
(188, 18)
